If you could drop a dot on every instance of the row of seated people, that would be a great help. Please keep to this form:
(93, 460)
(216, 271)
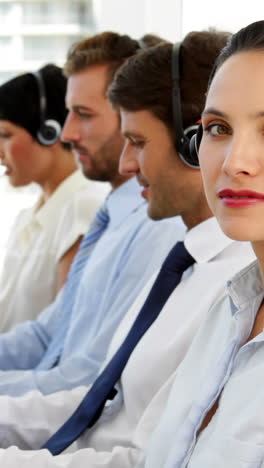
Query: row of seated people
(118, 376)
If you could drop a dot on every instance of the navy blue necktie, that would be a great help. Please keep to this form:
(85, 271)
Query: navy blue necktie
(85, 416)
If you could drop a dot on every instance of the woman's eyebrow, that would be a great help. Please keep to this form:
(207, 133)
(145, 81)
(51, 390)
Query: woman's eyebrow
(213, 110)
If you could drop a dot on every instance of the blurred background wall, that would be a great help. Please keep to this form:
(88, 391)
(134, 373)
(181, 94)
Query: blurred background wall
(33, 32)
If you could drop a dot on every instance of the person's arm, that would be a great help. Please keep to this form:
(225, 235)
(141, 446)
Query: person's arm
(13, 457)
(24, 346)
(72, 372)
(29, 421)
(83, 357)
(65, 263)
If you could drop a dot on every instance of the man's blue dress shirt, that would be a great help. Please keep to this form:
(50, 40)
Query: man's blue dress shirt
(127, 254)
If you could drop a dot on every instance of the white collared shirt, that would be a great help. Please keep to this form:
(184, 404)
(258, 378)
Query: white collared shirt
(123, 431)
(39, 238)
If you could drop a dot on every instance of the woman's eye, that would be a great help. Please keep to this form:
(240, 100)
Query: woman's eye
(217, 129)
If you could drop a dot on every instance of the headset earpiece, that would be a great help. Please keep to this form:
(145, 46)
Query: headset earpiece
(199, 135)
(49, 130)
(195, 144)
(184, 138)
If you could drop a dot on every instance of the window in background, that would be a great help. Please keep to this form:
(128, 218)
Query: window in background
(67, 12)
(6, 11)
(33, 46)
(36, 31)
(5, 44)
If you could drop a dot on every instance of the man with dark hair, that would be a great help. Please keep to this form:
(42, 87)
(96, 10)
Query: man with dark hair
(135, 402)
(66, 345)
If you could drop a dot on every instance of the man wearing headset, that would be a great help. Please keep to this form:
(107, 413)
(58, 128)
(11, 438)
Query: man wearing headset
(142, 91)
(66, 345)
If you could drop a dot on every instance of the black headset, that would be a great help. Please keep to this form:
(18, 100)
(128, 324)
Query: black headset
(188, 139)
(49, 130)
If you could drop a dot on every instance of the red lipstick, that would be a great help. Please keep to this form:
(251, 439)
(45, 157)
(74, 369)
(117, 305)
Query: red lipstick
(240, 198)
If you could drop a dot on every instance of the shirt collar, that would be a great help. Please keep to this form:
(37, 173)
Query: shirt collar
(206, 240)
(246, 288)
(67, 187)
(123, 201)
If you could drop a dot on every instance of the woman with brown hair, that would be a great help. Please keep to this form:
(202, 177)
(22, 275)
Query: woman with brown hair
(214, 417)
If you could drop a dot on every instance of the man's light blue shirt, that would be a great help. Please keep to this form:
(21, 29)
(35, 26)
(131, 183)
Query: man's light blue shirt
(226, 367)
(127, 254)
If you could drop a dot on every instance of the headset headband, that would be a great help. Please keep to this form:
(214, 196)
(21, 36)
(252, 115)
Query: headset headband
(42, 96)
(184, 137)
(176, 98)
(49, 130)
